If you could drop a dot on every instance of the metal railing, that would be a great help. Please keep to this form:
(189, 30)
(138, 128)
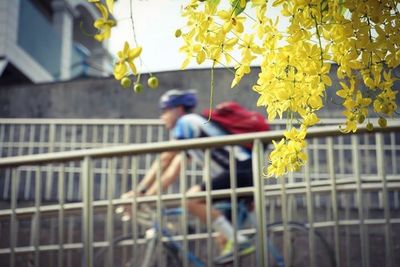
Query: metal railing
(34, 136)
(349, 190)
(37, 136)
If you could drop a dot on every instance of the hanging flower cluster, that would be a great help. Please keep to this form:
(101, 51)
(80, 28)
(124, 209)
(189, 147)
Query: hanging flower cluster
(361, 36)
(288, 154)
(103, 24)
(125, 66)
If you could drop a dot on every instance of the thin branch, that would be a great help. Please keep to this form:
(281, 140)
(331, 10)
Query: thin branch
(211, 90)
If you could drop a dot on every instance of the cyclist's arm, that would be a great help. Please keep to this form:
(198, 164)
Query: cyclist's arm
(168, 176)
(150, 177)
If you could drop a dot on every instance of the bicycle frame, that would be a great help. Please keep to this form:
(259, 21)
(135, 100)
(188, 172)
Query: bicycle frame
(154, 234)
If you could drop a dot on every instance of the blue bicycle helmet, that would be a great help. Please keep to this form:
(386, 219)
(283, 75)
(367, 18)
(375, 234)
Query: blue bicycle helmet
(174, 98)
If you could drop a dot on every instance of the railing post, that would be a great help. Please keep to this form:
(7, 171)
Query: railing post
(234, 211)
(134, 207)
(184, 218)
(87, 226)
(207, 180)
(385, 197)
(37, 217)
(360, 202)
(286, 234)
(124, 180)
(332, 175)
(258, 182)
(110, 210)
(310, 212)
(13, 217)
(61, 215)
(159, 207)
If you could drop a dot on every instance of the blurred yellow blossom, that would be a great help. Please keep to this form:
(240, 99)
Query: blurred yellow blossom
(361, 38)
(103, 24)
(125, 58)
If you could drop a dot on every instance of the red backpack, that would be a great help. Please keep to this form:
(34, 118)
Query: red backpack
(236, 119)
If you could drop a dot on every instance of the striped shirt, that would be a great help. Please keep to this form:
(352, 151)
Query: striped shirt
(195, 126)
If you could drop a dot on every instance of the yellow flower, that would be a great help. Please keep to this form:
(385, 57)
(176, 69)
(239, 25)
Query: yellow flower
(310, 120)
(240, 72)
(125, 58)
(288, 154)
(272, 35)
(120, 70)
(103, 24)
(293, 134)
(315, 102)
(110, 5)
(192, 50)
(257, 2)
(231, 21)
(351, 125)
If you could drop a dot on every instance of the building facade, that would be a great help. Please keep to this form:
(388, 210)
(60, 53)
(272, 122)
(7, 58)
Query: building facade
(49, 40)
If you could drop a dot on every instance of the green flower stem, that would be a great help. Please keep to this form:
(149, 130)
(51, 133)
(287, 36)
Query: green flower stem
(138, 78)
(134, 33)
(250, 17)
(211, 90)
(86, 33)
(234, 33)
(319, 40)
(225, 66)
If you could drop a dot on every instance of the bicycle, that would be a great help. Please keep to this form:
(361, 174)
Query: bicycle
(171, 248)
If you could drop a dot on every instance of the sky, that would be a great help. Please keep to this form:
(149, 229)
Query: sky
(155, 24)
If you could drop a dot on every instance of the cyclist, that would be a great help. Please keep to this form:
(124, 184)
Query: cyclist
(177, 113)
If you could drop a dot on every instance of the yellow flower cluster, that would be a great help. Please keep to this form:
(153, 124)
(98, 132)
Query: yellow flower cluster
(356, 106)
(125, 58)
(288, 154)
(125, 65)
(103, 24)
(361, 36)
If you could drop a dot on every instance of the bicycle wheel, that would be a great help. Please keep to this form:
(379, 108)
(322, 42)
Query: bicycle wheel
(124, 257)
(298, 248)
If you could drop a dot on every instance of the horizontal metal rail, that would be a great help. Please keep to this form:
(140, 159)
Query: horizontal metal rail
(47, 121)
(207, 142)
(174, 199)
(192, 237)
(74, 121)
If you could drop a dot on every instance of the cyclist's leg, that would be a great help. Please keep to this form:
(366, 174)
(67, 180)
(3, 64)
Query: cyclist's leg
(198, 208)
(222, 181)
(244, 178)
(220, 223)
(221, 241)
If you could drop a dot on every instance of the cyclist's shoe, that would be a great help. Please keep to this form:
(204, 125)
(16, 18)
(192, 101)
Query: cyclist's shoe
(226, 255)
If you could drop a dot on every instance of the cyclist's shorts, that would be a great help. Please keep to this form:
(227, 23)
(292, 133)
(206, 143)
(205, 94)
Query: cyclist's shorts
(244, 177)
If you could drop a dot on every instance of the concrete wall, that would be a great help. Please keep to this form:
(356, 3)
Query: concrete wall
(104, 98)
